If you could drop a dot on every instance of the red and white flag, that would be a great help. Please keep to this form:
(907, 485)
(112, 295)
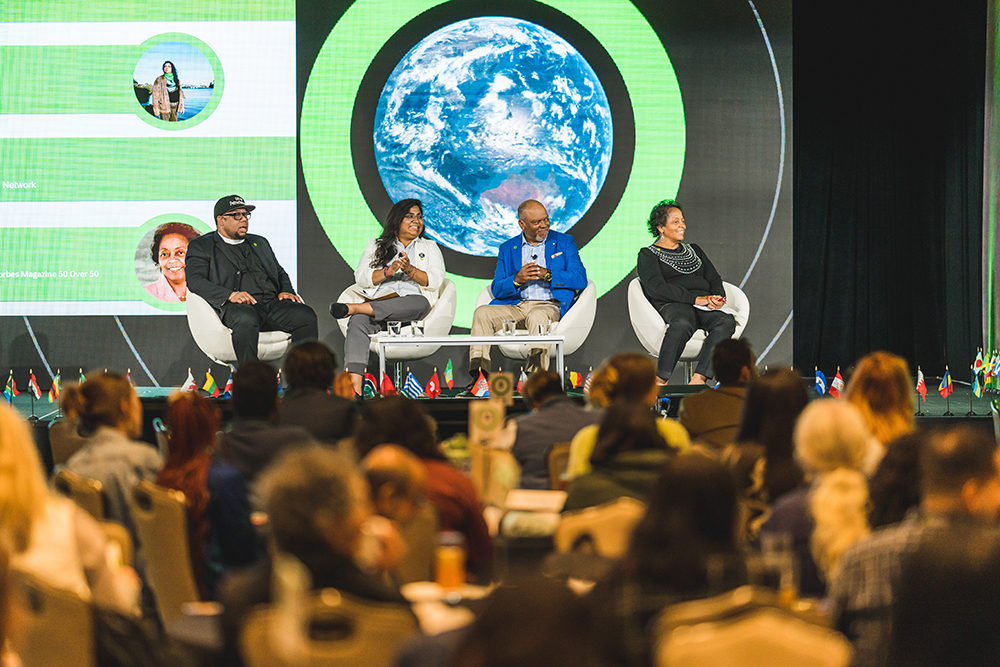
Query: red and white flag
(433, 388)
(837, 385)
(921, 386)
(189, 383)
(33, 386)
(388, 388)
(482, 387)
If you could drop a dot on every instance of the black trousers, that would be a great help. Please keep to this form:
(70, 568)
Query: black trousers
(248, 320)
(682, 321)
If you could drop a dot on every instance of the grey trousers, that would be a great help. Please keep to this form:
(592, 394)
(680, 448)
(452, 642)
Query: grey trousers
(360, 327)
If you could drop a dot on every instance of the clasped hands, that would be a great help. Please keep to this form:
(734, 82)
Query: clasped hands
(531, 271)
(244, 297)
(713, 302)
(401, 264)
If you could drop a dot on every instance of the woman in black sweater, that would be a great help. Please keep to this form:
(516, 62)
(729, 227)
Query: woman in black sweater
(684, 287)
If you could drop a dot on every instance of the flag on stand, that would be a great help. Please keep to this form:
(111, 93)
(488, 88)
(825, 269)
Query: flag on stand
(820, 382)
(128, 377)
(10, 391)
(979, 363)
(945, 387)
(412, 387)
(575, 379)
(281, 390)
(228, 391)
(433, 388)
(837, 385)
(977, 388)
(210, 387)
(387, 386)
(83, 377)
(921, 385)
(482, 387)
(369, 389)
(33, 386)
(449, 377)
(189, 383)
(520, 381)
(588, 381)
(54, 389)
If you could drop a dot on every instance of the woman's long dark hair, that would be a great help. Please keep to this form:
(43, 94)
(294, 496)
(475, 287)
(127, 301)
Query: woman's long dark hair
(627, 426)
(173, 68)
(385, 246)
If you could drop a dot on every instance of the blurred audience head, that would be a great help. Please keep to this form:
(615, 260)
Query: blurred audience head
(23, 491)
(944, 611)
(626, 375)
(960, 472)
(831, 434)
(537, 622)
(733, 362)
(627, 426)
(397, 479)
(692, 514)
(894, 487)
(542, 385)
(193, 422)
(772, 404)
(310, 365)
(255, 391)
(106, 399)
(316, 501)
(396, 420)
(881, 389)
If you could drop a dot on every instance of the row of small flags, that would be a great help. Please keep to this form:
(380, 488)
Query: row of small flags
(985, 377)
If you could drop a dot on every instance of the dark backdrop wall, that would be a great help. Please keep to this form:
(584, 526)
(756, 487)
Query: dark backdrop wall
(888, 158)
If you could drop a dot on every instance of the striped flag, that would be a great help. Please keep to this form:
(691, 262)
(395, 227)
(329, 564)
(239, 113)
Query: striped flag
(433, 388)
(33, 387)
(837, 385)
(575, 379)
(482, 387)
(449, 375)
(281, 390)
(54, 389)
(921, 385)
(977, 387)
(520, 381)
(412, 387)
(189, 383)
(945, 387)
(10, 391)
(210, 387)
(369, 389)
(228, 391)
(588, 381)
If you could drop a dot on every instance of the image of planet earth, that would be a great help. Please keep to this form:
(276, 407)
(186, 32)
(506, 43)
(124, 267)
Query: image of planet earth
(484, 114)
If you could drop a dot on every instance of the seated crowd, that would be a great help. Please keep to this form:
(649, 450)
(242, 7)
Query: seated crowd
(889, 529)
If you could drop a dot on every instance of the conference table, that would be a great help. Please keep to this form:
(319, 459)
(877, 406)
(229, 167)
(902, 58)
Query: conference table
(385, 341)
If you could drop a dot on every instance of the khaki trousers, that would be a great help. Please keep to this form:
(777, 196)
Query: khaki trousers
(488, 319)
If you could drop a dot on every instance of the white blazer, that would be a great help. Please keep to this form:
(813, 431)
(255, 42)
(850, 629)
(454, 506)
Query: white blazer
(424, 254)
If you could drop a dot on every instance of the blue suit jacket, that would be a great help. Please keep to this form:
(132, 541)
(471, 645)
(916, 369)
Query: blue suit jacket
(562, 259)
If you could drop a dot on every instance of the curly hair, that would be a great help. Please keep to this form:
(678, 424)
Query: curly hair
(385, 246)
(180, 228)
(658, 216)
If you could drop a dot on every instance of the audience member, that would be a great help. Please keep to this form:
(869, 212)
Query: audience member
(398, 482)
(773, 403)
(317, 504)
(111, 413)
(554, 417)
(894, 488)
(51, 537)
(253, 439)
(829, 515)
(629, 376)
(946, 612)
(308, 402)
(960, 483)
(880, 387)
(401, 421)
(712, 416)
(219, 532)
(627, 460)
(688, 531)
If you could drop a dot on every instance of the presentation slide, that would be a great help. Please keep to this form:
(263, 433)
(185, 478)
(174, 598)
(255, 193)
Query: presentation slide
(121, 124)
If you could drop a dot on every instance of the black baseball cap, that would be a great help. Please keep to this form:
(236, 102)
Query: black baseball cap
(231, 203)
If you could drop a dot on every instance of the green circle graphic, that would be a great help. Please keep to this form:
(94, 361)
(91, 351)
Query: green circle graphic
(144, 229)
(213, 102)
(327, 107)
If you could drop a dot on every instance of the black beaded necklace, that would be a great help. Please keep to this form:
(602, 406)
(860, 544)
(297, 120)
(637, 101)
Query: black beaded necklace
(682, 259)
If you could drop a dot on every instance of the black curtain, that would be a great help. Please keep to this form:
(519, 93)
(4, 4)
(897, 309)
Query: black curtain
(888, 155)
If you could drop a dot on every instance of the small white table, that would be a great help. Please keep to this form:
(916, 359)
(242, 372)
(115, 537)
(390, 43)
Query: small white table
(384, 340)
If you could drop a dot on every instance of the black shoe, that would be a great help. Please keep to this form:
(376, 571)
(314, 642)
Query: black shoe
(338, 310)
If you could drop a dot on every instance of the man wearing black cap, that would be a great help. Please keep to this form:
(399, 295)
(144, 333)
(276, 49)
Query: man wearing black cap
(239, 275)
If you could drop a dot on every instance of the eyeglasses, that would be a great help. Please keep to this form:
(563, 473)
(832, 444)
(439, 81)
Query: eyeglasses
(237, 215)
(414, 216)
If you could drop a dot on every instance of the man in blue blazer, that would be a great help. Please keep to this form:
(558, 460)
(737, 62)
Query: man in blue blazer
(238, 274)
(537, 278)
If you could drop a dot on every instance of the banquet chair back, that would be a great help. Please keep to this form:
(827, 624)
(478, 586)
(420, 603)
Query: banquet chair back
(120, 539)
(56, 627)
(420, 535)
(608, 527)
(160, 517)
(336, 630)
(86, 493)
(558, 464)
(216, 339)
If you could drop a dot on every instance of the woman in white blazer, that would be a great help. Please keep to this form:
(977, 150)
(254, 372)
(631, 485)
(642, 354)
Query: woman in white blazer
(401, 262)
